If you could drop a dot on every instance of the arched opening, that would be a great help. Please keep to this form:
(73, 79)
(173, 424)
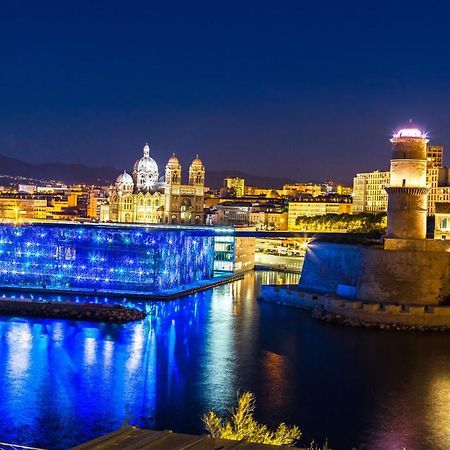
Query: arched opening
(185, 210)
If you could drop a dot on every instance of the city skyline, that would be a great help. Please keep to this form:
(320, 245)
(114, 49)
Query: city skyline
(272, 91)
(224, 224)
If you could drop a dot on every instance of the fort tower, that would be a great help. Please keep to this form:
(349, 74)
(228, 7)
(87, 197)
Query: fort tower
(407, 192)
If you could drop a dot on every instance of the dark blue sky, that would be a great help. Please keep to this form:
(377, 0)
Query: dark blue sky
(308, 90)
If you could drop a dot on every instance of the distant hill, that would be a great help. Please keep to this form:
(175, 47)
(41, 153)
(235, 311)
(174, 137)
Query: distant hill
(214, 179)
(67, 173)
(79, 173)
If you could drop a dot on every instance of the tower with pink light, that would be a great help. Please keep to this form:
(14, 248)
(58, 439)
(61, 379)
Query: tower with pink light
(408, 191)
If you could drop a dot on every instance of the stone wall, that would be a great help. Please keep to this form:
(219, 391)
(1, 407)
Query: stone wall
(377, 275)
(357, 312)
(418, 245)
(327, 265)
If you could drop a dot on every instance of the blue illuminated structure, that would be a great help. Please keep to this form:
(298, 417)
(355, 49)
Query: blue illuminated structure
(104, 258)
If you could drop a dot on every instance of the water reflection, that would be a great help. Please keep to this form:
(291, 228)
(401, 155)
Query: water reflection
(64, 382)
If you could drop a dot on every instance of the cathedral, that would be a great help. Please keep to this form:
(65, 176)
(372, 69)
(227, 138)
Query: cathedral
(145, 197)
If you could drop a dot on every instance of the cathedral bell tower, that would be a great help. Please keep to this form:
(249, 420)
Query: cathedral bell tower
(407, 191)
(197, 173)
(173, 171)
(172, 191)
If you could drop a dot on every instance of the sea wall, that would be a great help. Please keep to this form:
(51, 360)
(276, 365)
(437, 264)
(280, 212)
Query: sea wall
(372, 274)
(357, 313)
(328, 265)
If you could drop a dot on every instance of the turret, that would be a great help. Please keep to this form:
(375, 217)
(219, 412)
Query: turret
(173, 171)
(197, 173)
(407, 191)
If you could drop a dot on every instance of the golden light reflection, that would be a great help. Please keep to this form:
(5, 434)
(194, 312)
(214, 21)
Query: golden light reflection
(275, 373)
(438, 418)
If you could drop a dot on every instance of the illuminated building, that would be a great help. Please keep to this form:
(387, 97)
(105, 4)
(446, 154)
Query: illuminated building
(407, 191)
(61, 203)
(144, 197)
(369, 192)
(253, 191)
(442, 221)
(235, 185)
(17, 207)
(313, 189)
(26, 189)
(318, 206)
(262, 216)
(235, 214)
(435, 155)
(269, 217)
(234, 254)
(104, 258)
(96, 198)
(344, 190)
(369, 189)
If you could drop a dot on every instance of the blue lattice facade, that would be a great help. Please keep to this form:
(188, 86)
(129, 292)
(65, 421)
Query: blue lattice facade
(103, 258)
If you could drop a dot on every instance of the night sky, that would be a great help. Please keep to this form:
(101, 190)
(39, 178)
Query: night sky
(306, 90)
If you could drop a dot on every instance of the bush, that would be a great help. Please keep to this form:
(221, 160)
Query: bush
(356, 223)
(242, 426)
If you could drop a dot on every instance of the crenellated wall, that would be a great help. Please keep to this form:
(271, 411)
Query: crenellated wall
(354, 312)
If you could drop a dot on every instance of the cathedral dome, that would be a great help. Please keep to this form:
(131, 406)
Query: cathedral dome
(146, 164)
(124, 178)
(197, 162)
(173, 160)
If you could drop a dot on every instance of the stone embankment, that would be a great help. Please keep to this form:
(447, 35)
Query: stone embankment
(331, 317)
(70, 311)
(333, 309)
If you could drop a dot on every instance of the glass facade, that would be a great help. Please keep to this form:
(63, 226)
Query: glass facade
(104, 258)
(224, 254)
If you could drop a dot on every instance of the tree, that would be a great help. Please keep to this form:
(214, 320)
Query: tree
(356, 223)
(243, 426)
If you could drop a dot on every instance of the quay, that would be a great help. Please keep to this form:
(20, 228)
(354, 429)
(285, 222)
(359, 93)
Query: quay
(332, 308)
(70, 311)
(169, 294)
